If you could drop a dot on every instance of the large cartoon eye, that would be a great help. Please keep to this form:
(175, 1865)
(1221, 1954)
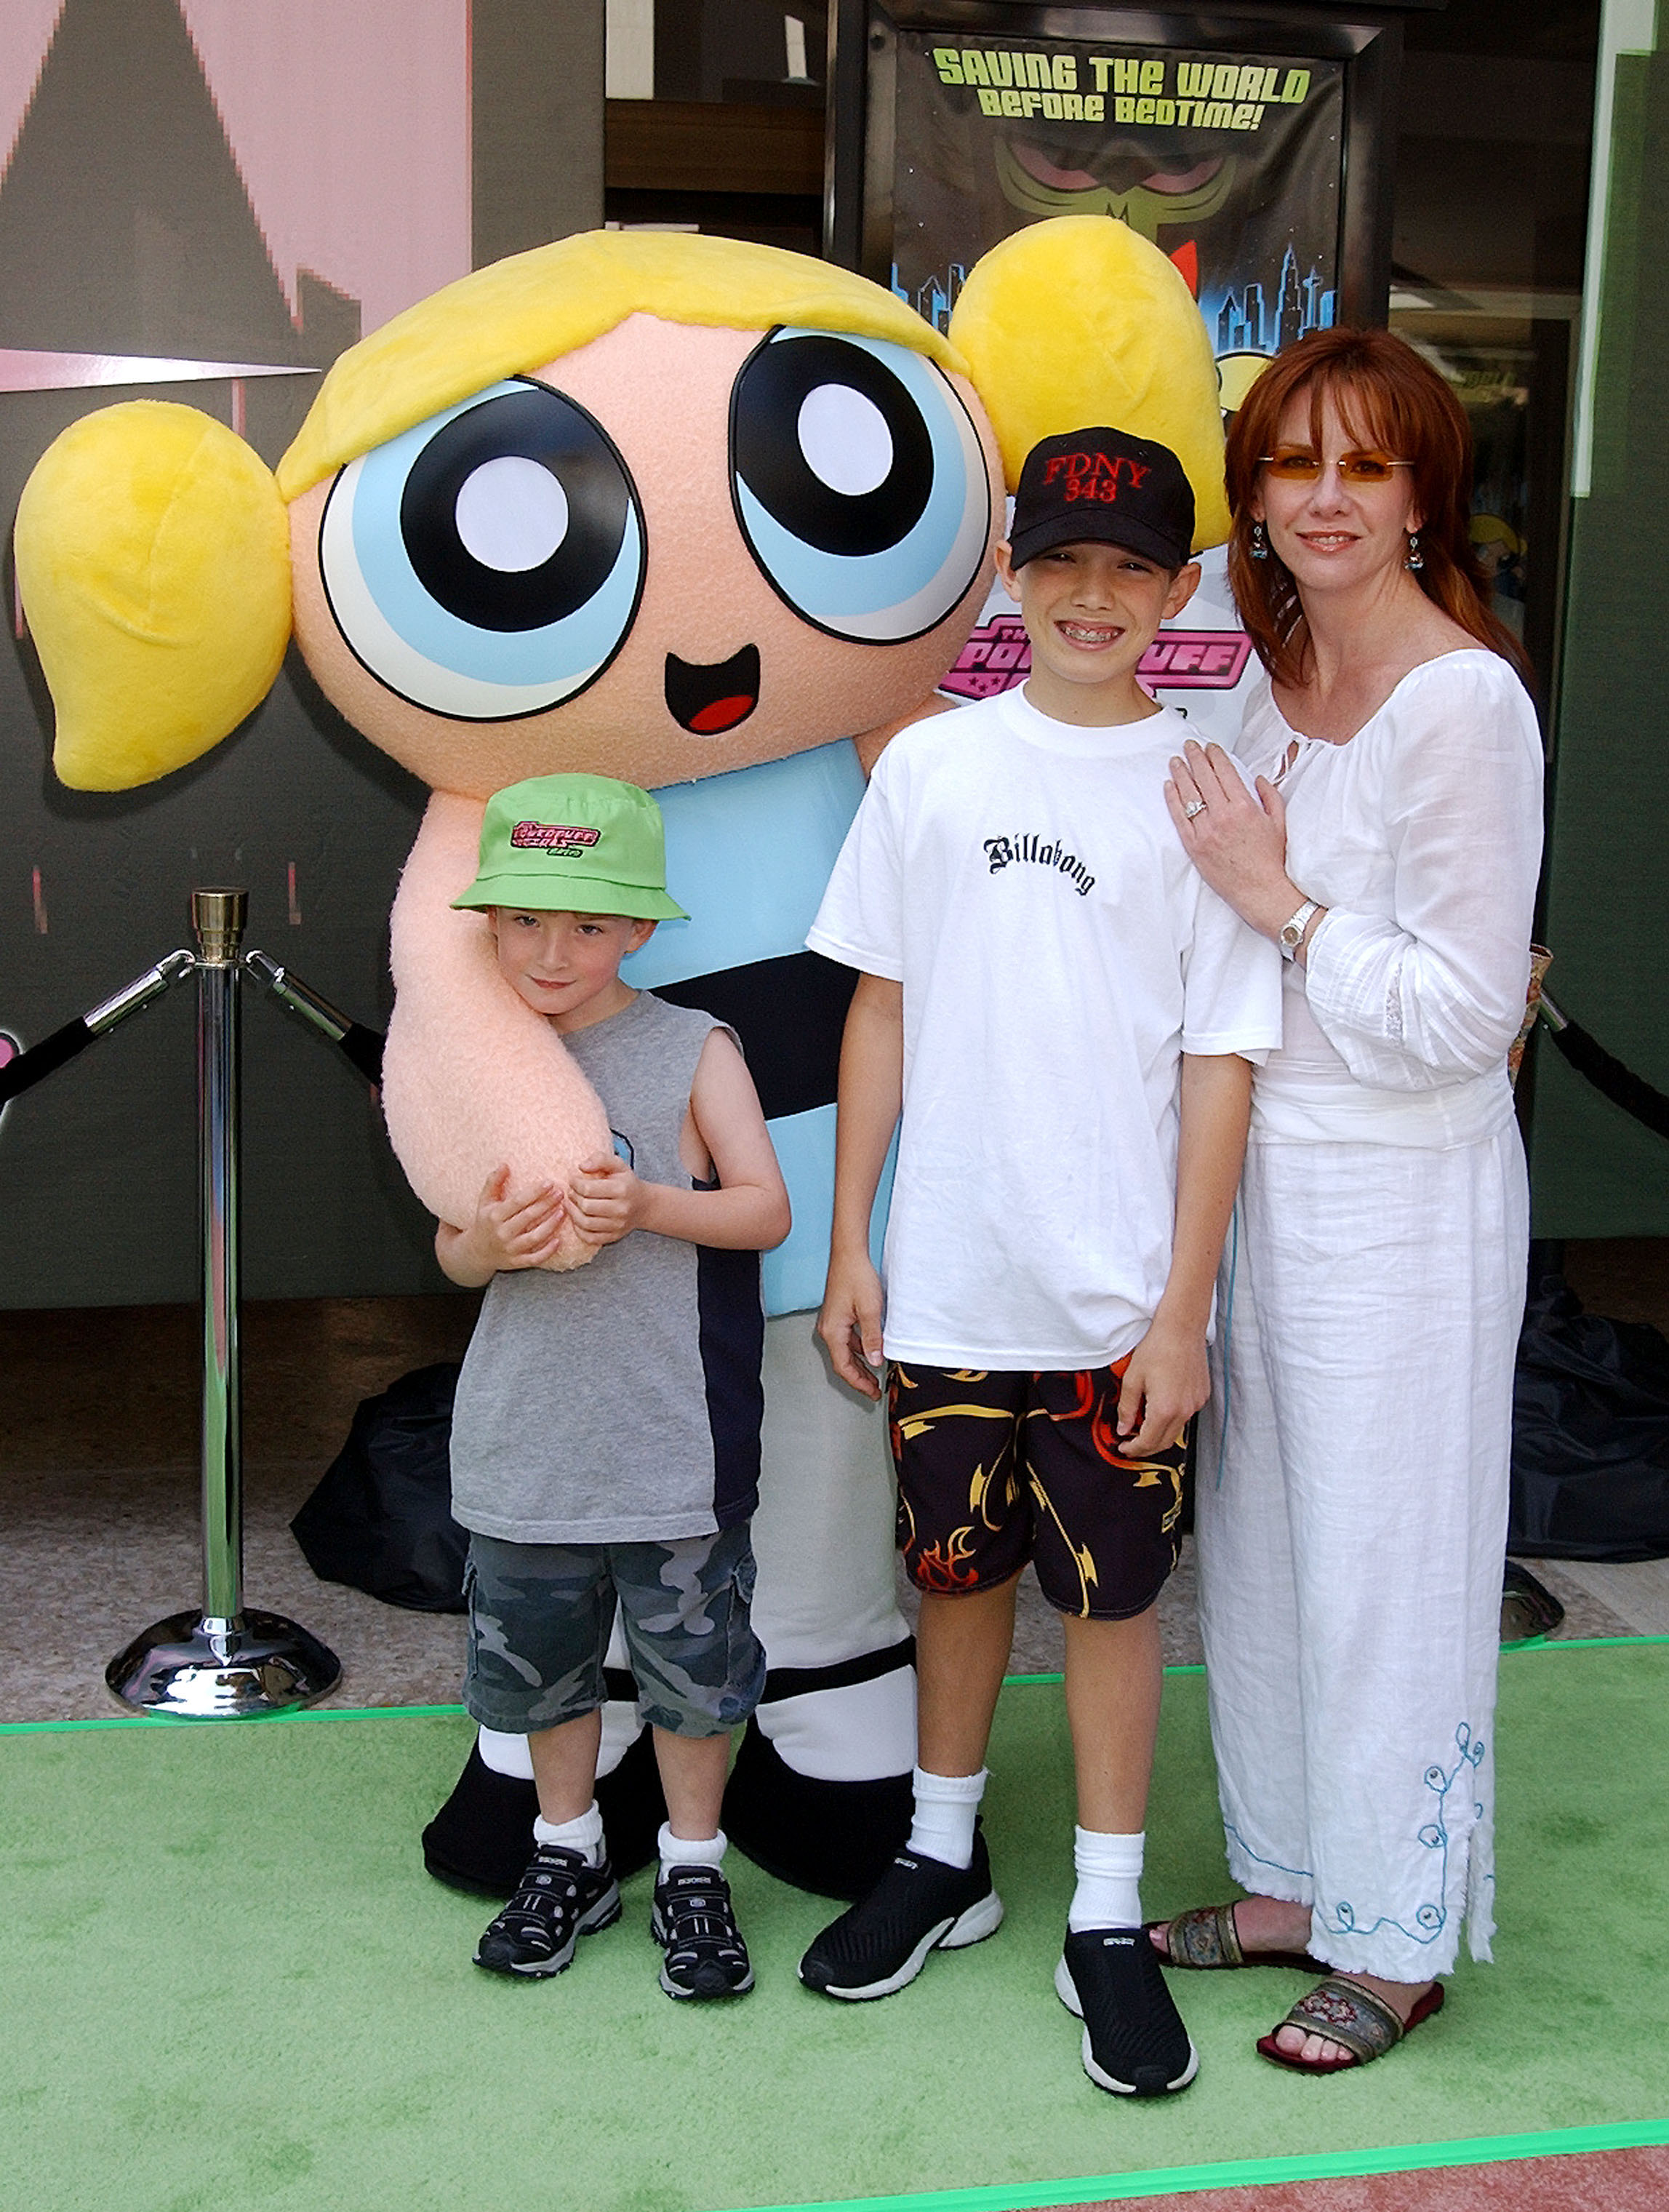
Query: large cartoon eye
(859, 484)
(488, 562)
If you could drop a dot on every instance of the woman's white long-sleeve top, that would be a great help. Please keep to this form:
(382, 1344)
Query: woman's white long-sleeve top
(1421, 837)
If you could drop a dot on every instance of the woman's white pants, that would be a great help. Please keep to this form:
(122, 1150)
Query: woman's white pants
(1351, 1516)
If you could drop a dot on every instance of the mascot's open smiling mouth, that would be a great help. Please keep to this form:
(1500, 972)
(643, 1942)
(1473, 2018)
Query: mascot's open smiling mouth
(710, 696)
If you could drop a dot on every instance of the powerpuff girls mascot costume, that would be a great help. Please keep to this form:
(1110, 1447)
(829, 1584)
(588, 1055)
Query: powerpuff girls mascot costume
(709, 517)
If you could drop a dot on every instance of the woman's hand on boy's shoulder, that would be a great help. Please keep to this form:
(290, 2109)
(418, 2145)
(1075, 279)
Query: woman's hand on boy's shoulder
(1235, 836)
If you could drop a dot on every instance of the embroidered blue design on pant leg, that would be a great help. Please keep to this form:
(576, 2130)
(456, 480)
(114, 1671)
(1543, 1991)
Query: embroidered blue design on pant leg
(1298, 1874)
(1430, 1919)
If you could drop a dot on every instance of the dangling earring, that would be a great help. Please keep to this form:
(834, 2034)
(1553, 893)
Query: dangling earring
(1259, 546)
(1416, 558)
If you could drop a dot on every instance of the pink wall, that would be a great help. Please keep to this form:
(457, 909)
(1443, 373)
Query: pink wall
(350, 125)
(23, 43)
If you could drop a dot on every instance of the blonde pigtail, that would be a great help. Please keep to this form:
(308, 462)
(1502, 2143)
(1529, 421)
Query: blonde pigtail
(152, 561)
(1078, 321)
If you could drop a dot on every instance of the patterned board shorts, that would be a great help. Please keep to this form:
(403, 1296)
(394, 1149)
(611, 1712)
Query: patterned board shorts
(541, 1615)
(996, 1468)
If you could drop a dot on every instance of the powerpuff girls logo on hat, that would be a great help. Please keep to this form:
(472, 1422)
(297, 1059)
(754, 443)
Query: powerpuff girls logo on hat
(552, 837)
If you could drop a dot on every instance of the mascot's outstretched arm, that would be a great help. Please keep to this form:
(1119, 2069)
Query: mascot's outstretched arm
(706, 516)
(469, 1083)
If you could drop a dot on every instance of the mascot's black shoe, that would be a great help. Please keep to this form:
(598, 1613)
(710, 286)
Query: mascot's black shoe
(693, 1921)
(559, 1899)
(1134, 2042)
(836, 1838)
(477, 1841)
(919, 1904)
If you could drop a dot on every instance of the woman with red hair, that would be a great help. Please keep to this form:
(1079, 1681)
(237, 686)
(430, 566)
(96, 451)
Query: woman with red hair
(1353, 1470)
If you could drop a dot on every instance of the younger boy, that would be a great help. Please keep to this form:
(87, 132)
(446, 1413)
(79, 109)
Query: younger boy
(1064, 1013)
(605, 1436)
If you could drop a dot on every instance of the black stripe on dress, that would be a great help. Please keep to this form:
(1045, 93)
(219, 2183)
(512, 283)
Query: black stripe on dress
(789, 1014)
(731, 1310)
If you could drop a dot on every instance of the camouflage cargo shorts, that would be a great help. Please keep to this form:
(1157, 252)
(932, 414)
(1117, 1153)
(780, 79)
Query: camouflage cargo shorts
(540, 1619)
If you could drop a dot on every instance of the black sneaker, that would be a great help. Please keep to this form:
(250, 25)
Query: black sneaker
(559, 1899)
(919, 1904)
(693, 1921)
(1134, 2042)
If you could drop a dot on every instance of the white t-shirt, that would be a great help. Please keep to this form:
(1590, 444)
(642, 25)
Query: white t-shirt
(1023, 880)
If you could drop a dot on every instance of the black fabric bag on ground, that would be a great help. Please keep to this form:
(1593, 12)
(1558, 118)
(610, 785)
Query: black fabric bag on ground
(381, 1519)
(1590, 1433)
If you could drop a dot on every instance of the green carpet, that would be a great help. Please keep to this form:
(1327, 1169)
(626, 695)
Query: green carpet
(230, 1987)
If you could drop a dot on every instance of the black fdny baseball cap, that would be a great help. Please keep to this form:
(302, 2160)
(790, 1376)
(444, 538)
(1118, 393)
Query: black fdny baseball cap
(1108, 485)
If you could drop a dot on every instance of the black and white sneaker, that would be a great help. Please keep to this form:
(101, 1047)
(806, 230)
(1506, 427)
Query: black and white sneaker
(1134, 2042)
(919, 1904)
(560, 1898)
(695, 1924)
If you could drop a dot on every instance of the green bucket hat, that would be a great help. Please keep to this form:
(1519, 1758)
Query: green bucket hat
(578, 844)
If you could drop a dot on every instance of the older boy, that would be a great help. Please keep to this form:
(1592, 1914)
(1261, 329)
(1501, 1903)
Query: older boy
(1064, 1014)
(605, 1435)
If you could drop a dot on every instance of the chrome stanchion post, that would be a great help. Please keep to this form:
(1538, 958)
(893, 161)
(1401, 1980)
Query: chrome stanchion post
(217, 922)
(222, 1661)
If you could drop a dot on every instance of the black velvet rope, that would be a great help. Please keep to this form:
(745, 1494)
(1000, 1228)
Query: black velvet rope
(363, 1046)
(44, 1058)
(1607, 1074)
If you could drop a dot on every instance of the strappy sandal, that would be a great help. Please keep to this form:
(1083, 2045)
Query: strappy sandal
(1347, 2013)
(1206, 1937)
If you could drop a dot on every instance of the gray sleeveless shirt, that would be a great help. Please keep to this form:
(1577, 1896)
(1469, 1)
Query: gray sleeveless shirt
(619, 1403)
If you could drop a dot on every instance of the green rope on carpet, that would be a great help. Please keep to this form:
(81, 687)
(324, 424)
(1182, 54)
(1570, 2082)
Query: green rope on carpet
(430, 1712)
(1243, 2173)
(180, 1720)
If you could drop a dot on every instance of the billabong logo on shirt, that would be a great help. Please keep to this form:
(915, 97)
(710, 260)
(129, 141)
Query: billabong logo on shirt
(1044, 853)
(552, 837)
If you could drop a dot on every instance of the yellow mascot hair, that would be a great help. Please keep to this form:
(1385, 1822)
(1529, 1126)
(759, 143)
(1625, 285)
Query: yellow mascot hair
(1078, 321)
(519, 313)
(152, 560)
(153, 554)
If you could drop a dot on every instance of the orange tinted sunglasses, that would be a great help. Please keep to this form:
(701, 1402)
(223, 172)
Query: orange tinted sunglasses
(1297, 464)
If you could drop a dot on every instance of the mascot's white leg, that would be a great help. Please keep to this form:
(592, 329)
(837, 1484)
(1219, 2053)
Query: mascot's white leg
(506, 1754)
(821, 1791)
(509, 1755)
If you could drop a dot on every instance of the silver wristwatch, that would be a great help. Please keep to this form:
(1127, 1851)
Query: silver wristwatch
(1292, 933)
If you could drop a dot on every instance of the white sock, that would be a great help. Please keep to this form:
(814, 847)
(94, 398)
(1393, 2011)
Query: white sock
(942, 1827)
(680, 1850)
(1109, 1874)
(585, 1834)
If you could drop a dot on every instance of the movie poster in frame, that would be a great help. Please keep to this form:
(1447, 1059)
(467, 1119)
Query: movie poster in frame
(1246, 149)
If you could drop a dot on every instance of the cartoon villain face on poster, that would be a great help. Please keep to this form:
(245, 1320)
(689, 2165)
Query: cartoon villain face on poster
(706, 516)
(1230, 163)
